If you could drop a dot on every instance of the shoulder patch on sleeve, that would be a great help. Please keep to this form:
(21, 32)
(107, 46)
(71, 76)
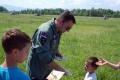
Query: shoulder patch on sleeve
(43, 37)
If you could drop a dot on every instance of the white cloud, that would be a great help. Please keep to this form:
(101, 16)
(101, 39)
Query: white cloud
(112, 2)
(73, 1)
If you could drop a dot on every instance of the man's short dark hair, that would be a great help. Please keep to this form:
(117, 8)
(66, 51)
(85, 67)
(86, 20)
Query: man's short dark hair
(14, 38)
(67, 16)
(92, 61)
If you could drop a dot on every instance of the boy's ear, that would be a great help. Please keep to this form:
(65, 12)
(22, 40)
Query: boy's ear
(15, 51)
(60, 21)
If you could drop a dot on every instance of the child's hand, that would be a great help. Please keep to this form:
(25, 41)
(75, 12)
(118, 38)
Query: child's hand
(102, 62)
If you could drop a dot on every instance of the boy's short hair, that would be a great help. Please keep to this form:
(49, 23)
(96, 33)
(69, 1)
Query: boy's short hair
(67, 16)
(14, 38)
(92, 61)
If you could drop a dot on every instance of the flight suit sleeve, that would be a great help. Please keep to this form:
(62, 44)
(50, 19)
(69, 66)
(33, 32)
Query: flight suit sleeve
(57, 48)
(43, 51)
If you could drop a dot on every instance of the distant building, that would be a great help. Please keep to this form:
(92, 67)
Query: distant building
(14, 13)
(105, 17)
(38, 14)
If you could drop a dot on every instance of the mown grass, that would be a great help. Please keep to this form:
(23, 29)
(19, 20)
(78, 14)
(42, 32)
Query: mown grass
(91, 36)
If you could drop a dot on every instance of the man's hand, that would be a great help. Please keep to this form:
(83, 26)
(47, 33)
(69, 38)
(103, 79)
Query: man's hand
(55, 66)
(68, 73)
(59, 57)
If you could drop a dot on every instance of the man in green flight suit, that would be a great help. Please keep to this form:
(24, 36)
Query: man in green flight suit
(45, 43)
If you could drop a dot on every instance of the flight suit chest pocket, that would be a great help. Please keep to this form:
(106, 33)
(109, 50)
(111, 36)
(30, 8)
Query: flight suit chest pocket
(54, 41)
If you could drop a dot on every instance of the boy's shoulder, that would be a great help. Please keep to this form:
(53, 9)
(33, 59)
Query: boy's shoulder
(2, 69)
(13, 73)
(22, 75)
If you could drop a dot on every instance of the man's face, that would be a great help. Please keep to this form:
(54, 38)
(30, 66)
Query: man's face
(66, 26)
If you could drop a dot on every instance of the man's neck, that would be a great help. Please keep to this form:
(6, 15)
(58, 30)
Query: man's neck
(9, 62)
(57, 26)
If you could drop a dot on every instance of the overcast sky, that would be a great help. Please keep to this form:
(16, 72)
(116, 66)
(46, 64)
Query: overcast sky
(65, 4)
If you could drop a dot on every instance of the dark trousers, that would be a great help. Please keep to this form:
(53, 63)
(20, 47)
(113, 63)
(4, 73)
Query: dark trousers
(37, 79)
(34, 78)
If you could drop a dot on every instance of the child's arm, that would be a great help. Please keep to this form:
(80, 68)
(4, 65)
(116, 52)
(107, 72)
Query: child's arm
(105, 62)
(113, 66)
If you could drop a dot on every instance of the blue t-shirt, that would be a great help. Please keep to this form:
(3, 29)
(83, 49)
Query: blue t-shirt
(12, 74)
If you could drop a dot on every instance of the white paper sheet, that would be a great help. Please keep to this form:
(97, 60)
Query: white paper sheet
(55, 75)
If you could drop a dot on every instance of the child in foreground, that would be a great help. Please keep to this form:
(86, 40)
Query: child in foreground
(16, 45)
(90, 68)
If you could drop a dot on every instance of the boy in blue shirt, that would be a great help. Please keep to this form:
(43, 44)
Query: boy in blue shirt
(16, 45)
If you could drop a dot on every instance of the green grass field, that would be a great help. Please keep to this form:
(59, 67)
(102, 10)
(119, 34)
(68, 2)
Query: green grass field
(91, 36)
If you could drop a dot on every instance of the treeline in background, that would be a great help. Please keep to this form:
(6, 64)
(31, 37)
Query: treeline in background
(77, 12)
